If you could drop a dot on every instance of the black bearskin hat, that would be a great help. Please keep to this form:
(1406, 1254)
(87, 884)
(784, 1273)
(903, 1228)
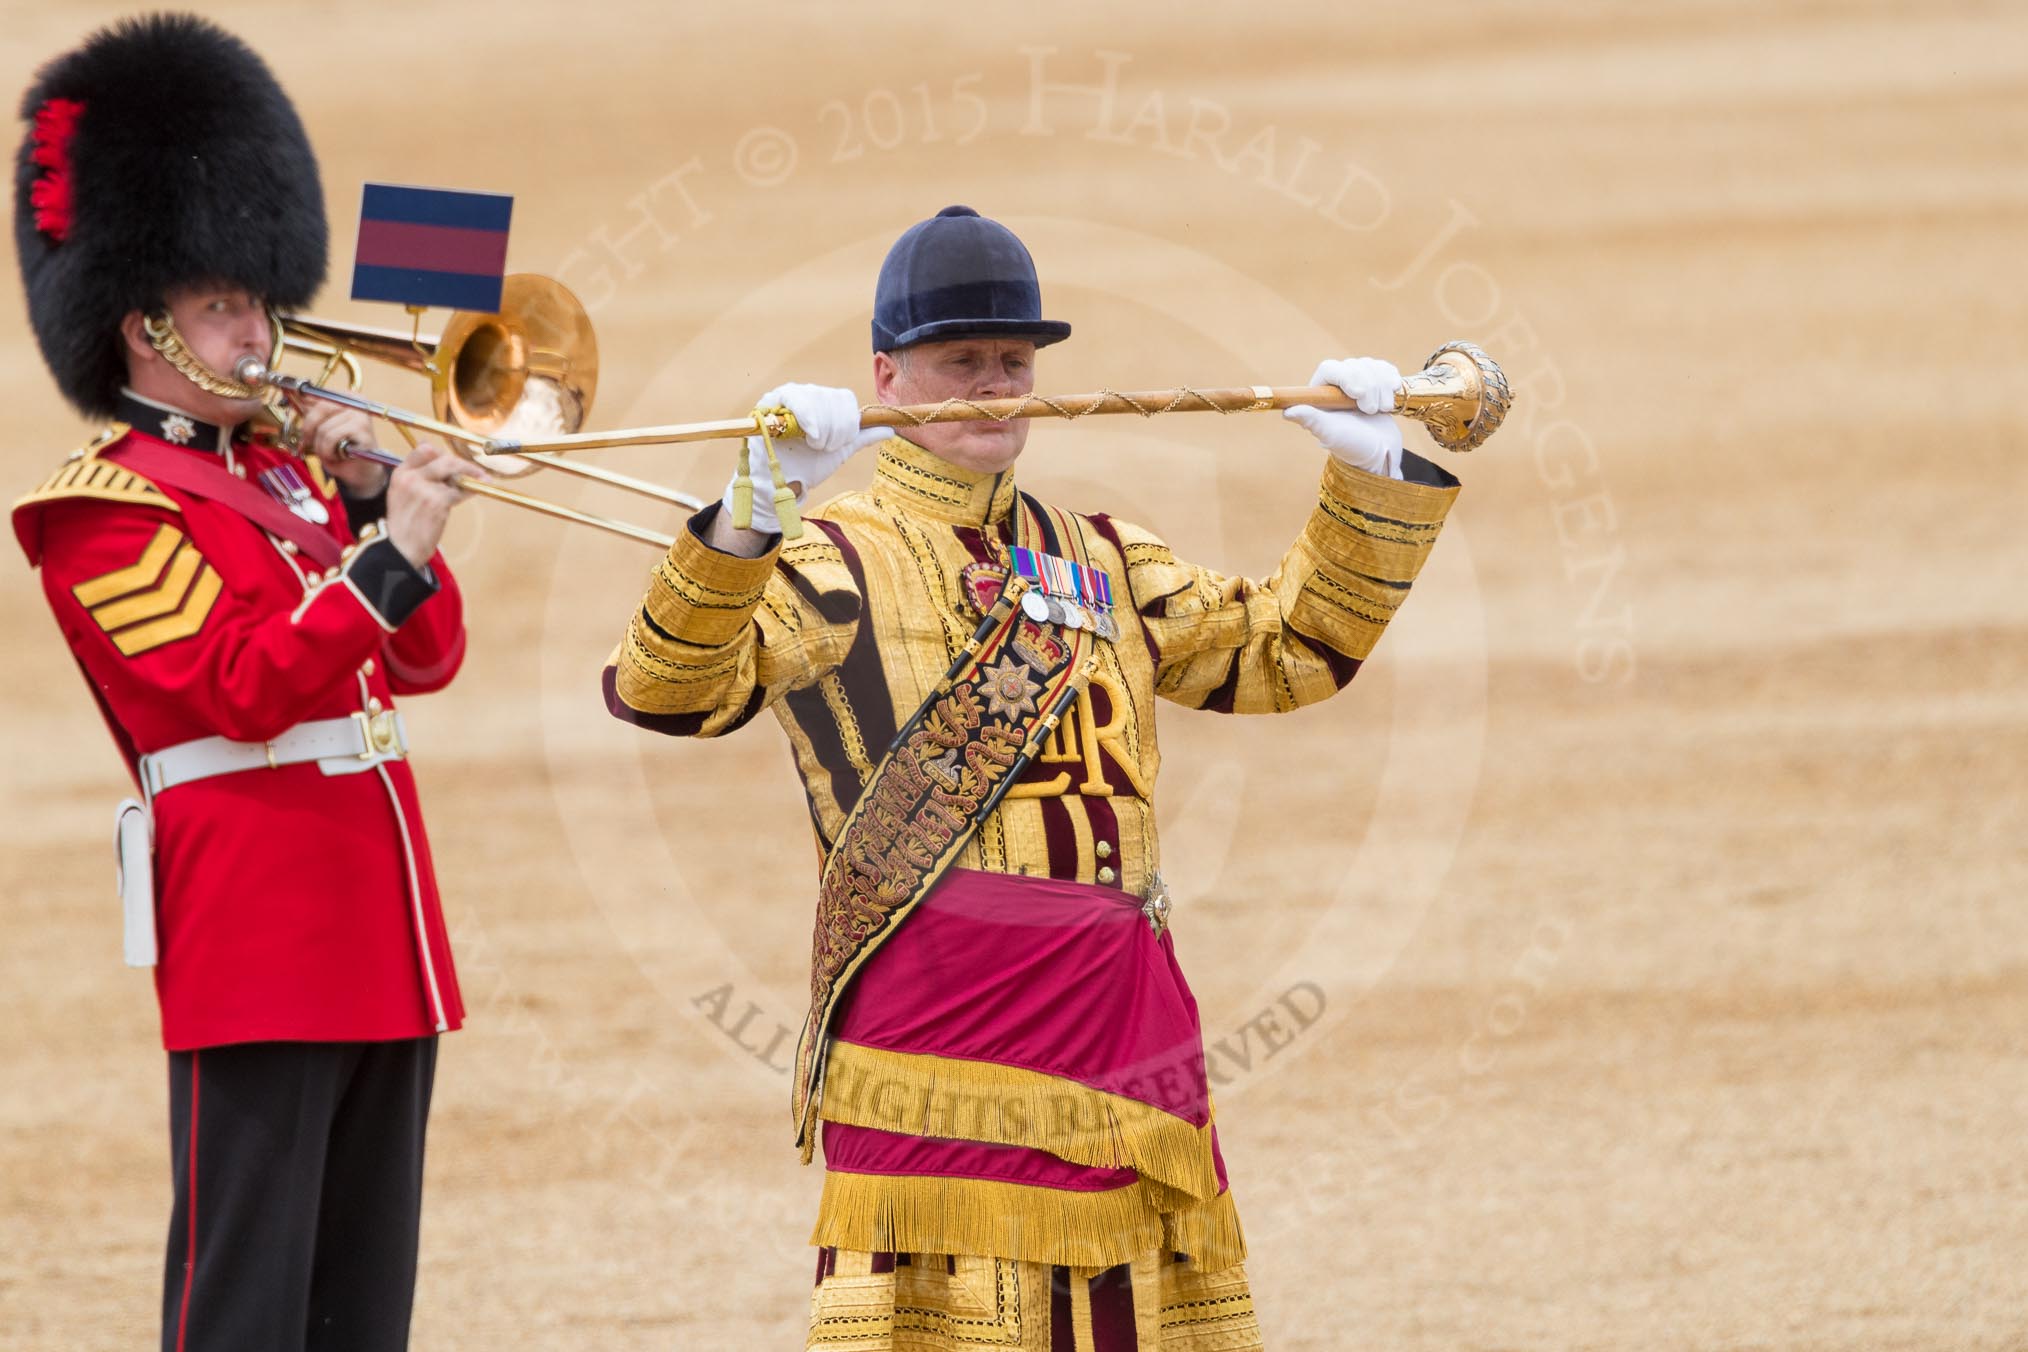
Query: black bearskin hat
(159, 154)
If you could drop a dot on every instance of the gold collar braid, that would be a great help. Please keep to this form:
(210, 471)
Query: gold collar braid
(928, 485)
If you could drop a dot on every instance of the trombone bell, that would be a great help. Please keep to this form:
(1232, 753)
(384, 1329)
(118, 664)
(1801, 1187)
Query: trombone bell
(531, 370)
(534, 365)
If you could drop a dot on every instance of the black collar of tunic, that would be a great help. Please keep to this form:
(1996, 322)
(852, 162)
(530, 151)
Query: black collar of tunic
(165, 422)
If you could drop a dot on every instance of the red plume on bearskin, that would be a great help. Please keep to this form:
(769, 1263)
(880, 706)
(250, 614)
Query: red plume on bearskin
(160, 153)
(51, 195)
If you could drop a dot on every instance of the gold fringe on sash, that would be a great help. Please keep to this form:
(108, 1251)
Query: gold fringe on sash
(987, 1218)
(1208, 1231)
(886, 1213)
(917, 1094)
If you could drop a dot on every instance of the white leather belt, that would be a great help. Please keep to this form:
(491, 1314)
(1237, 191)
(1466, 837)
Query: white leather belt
(340, 746)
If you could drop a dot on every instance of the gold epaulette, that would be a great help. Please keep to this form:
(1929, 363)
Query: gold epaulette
(84, 475)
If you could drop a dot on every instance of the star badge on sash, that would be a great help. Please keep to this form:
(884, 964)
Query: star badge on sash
(1009, 690)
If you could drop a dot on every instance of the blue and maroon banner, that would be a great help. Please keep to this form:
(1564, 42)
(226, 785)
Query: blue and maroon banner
(432, 246)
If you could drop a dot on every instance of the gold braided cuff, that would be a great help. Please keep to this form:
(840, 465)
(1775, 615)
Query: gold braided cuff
(1380, 527)
(704, 596)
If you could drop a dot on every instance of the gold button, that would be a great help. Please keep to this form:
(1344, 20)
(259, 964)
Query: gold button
(1104, 849)
(1106, 875)
(366, 667)
(373, 705)
(288, 546)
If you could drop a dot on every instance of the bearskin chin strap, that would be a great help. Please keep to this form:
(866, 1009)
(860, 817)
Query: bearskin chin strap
(167, 341)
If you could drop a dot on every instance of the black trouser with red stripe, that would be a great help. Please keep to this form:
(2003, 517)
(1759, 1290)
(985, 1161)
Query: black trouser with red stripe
(298, 1172)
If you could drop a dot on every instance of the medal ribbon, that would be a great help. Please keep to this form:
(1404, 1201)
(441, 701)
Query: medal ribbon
(1065, 575)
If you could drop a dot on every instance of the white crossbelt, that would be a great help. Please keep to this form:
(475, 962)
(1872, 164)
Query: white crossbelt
(340, 746)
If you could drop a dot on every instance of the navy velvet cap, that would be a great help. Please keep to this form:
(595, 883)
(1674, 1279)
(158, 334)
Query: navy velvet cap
(959, 275)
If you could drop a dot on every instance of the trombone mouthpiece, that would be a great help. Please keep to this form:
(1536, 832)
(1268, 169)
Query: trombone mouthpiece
(249, 370)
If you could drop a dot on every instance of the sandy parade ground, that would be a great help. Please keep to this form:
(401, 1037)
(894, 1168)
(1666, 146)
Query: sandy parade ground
(1632, 958)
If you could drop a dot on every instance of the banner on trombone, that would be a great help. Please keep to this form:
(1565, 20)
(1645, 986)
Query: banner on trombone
(432, 246)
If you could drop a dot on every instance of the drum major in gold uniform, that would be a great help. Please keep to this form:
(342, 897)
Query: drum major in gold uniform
(1002, 1057)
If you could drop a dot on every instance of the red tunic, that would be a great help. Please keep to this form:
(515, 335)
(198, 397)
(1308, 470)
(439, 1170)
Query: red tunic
(291, 905)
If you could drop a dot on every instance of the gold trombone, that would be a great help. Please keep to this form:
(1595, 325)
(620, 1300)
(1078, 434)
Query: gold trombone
(510, 392)
(529, 371)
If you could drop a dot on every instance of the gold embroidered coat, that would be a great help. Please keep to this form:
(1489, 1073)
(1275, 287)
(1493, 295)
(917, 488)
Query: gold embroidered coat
(844, 632)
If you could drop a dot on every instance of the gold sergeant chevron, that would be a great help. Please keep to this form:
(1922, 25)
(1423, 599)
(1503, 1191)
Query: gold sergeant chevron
(164, 595)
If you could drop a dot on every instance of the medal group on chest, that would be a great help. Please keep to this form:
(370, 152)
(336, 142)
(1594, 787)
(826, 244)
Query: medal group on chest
(1065, 592)
(286, 486)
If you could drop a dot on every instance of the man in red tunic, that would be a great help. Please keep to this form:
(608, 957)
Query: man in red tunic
(245, 622)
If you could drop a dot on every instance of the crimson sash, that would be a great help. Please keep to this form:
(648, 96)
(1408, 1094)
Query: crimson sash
(944, 773)
(207, 479)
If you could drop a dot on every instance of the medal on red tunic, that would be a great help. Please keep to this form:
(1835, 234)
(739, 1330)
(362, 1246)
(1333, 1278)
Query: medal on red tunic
(286, 486)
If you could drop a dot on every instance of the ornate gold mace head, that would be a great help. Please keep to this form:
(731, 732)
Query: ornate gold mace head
(1461, 395)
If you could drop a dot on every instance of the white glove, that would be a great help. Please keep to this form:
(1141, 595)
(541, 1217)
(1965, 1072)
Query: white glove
(1370, 439)
(829, 420)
